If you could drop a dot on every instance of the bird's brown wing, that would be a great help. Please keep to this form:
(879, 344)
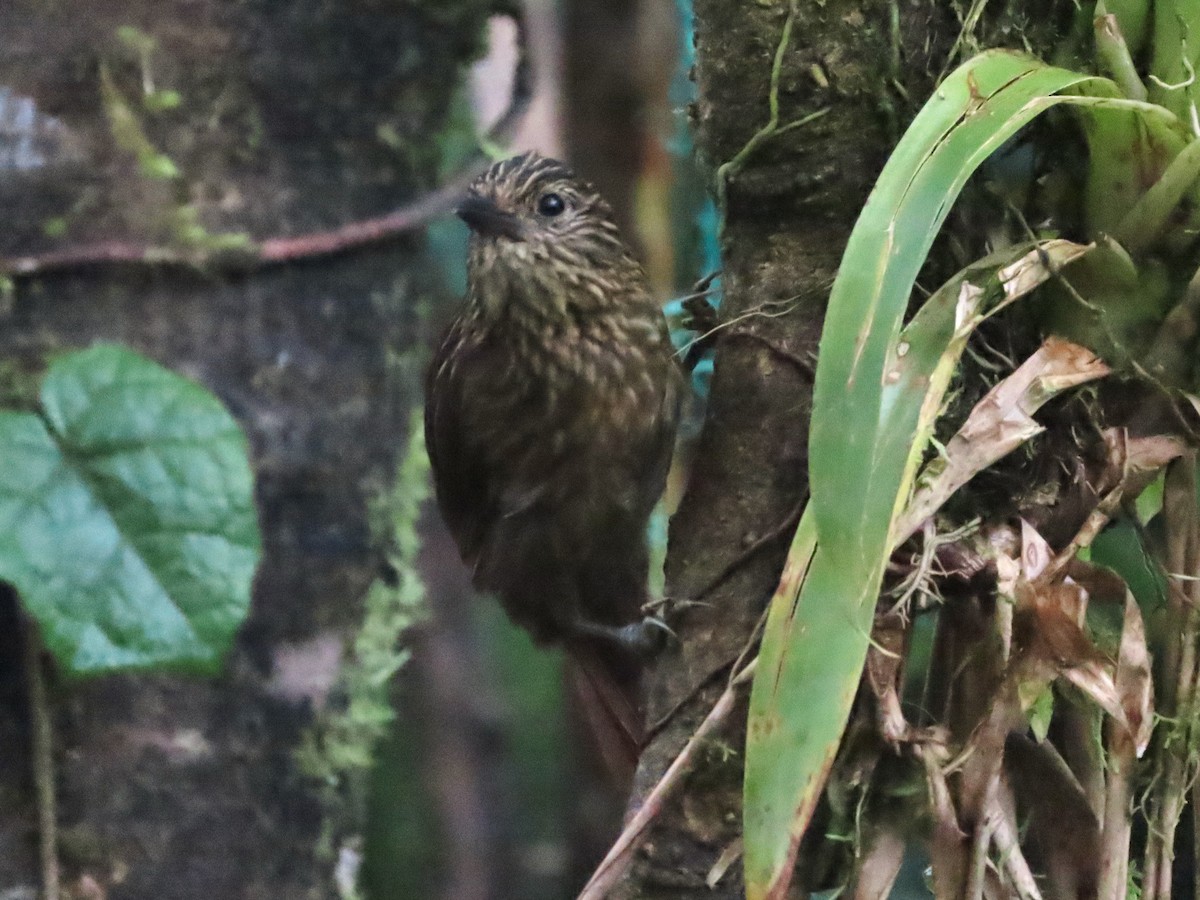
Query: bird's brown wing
(459, 474)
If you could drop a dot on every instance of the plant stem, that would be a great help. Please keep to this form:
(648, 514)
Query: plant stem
(1114, 56)
(1175, 758)
(42, 751)
(1118, 813)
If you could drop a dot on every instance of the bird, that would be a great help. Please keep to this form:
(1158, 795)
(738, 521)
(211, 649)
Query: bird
(552, 404)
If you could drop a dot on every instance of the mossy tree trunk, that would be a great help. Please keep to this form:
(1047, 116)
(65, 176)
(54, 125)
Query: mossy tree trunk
(865, 65)
(167, 124)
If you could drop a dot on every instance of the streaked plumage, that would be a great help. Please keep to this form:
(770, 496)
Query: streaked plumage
(552, 405)
(551, 409)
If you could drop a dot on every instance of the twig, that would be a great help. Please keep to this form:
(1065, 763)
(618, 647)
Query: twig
(767, 539)
(1092, 526)
(1178, 86)
(42, 751)
(1174, 757)
(1012, 859)
(981, 840)
(731, 167)
(700, 344)
(786, 526)
(967, 32)
(1118, 812)
(280, 250)
(666, 718)
(921, 574)
(271, 252)
(619, 856)
(733, 665)
(805, 366)
(613, 866)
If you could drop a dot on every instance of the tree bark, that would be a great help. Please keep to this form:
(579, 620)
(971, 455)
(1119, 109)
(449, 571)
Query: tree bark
(291, 118)
(866, 66)
(787, 216)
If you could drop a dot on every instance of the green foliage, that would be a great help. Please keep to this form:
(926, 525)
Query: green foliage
(188, 231)
(881, 384)
(127, 519)
(1175, 44)
(392, 606)
(137, 40)
(161, 101)
(878, 388)
(129, 132)
(143, 47)
(1123, 548)
(130, 135)
(18, 386)
(341, 747)
(55, 227)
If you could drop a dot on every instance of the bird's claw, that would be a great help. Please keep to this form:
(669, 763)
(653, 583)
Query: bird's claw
(648, 637)
(664, 605)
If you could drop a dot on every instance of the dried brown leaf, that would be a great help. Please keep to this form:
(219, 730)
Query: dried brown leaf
(1102, 584)
(1146, 455)
(1031, 270)
(1134, 681)
(1060, 816)
(948, 847)
(878, 869)
(885, 668)
(1048, 625)
(1035, 553)
(1050, 631)
(731, 854)
(999, 423)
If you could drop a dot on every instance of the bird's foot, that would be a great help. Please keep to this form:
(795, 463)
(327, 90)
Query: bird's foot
(648, 637)
(643, 639)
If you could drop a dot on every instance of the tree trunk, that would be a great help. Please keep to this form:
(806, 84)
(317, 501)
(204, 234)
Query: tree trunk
(788, 213)
(280, 119)
(789, 207)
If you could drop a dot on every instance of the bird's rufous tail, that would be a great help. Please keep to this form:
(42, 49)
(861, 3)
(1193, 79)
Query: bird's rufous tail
(606, 689)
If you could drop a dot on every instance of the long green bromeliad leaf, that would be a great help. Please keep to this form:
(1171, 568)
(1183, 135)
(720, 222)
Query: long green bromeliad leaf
(878, 390)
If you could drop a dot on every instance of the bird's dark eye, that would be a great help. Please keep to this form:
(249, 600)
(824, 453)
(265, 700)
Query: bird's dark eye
(551, 205)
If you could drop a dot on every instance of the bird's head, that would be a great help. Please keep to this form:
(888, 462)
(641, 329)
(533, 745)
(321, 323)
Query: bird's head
(534, 224)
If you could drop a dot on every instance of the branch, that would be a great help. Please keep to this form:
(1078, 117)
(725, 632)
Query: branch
(280, 250)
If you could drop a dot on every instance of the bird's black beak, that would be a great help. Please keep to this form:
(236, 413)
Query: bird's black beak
(486, 218)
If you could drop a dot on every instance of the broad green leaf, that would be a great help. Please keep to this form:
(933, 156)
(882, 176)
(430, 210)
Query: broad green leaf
(1140, 194)
(127, 519)
(1175, 54)
(877, 387)
(863, 420)
(1122, 548)
(1123, 308)
(1128, 150)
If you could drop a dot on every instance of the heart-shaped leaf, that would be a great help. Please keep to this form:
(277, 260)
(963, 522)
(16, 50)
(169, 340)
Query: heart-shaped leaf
(127, 519)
